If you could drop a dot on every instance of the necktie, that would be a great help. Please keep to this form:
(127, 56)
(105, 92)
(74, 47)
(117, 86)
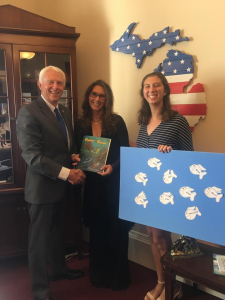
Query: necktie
(61, 121)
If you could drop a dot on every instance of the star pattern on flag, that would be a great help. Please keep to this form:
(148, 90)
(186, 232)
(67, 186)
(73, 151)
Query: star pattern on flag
(145, 47)
(176, 62)
(179, 70)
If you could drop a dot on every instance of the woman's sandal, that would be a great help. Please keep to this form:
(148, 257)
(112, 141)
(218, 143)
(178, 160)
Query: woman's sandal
(176, 294)
(149, 294)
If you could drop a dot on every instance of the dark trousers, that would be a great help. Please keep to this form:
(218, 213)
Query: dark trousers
(46, 245)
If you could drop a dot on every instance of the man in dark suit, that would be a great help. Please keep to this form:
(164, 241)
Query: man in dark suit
(46, 138)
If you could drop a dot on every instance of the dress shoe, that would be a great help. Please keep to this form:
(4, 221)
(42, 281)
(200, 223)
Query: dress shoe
(70, 275)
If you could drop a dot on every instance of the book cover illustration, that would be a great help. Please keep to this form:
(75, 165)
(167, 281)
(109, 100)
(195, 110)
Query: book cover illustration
(93, 153)
(216, 269)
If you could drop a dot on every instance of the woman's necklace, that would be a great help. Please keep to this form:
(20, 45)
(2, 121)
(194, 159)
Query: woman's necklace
(96, 121)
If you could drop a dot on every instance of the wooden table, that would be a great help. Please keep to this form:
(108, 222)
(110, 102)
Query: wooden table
(197, 269)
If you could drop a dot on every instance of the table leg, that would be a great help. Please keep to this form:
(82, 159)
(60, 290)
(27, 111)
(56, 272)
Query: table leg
(169, 283)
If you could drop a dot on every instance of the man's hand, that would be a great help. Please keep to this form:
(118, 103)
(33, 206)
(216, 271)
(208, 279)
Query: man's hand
(76, 176)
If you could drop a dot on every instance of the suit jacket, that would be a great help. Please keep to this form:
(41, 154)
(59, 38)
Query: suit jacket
(45, 150)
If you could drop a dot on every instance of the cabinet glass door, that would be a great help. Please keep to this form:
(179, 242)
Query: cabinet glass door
(30, 65)
(6, 172)
(62, 61)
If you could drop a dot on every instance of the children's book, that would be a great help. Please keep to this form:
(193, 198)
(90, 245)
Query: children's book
(216, 268)
(93, 153)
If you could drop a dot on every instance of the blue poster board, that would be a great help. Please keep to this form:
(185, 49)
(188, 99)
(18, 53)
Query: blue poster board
(180, 191)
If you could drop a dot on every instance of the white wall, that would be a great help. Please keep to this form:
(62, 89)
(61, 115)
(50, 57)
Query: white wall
(101, 22)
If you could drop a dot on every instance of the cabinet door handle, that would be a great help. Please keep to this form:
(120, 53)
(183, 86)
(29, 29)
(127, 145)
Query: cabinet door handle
(24, 209)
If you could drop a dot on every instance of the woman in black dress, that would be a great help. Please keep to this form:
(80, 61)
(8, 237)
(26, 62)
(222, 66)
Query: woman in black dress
(164, 129)
(108, 245)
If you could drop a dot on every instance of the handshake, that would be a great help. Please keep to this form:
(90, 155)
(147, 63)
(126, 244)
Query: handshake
(76, 176)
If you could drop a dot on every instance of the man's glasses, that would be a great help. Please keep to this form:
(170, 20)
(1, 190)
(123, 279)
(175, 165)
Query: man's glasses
(95, 95)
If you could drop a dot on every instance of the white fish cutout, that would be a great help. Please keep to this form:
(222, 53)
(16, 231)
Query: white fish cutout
(168, 176)
(141, 177)
(191, 212)
(154, 163)
(214, 192)
(166, 198)
(140, 199)
(198, 170)
(187, 192)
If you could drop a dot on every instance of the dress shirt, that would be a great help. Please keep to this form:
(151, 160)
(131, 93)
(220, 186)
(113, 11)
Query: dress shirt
(64, 173)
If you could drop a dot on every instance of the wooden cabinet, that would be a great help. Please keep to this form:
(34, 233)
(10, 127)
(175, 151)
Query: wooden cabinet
(28, 43)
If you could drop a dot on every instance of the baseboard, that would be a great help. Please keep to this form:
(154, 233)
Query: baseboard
(138, 236)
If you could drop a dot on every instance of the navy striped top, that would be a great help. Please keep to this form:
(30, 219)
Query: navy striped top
(175, 133)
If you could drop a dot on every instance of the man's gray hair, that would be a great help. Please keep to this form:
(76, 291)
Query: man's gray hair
(46, 69)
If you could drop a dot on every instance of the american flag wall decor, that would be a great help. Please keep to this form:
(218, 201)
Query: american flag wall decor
(131, 44)
(178, 69)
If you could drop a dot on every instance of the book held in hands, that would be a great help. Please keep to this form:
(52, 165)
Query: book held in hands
(93, 153)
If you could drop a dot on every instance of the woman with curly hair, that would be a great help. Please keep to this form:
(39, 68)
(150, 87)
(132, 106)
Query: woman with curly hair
(108, 245)
(164, 129)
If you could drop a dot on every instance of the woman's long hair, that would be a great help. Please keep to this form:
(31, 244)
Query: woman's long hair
(108, 116)
(145, 111)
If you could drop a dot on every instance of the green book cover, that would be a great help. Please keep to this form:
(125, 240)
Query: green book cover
(93, 153)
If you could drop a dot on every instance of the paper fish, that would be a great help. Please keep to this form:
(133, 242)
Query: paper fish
(191, 212)
(131, 44)
(166, 198)
(198, 170)
(140, 199)
(141, 177)
(168, 176)
(214, 192)
(154, 163)
(187, 192)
